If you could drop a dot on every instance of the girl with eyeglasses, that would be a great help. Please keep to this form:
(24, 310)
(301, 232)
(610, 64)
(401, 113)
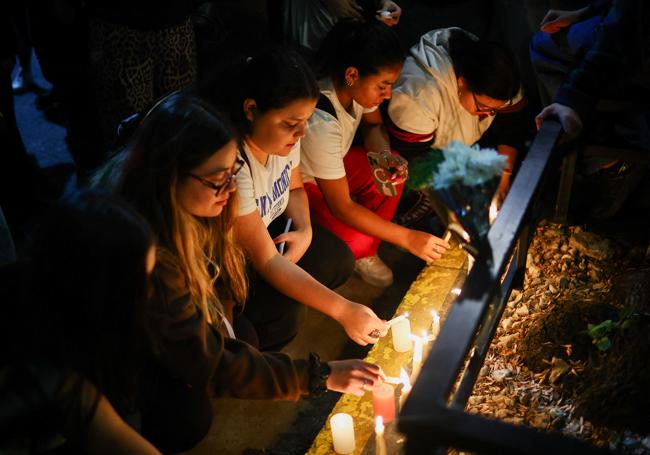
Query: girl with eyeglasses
(180, 174)
(452, 87)
(271, 102)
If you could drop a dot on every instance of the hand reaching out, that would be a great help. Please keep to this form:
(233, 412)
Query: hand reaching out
(555, 20)
(389, 13)
(425, 246)
(353, 376)
(360, 322)
(569, 118)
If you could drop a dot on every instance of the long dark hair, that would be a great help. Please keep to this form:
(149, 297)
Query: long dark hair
(180, 133)
(273, 77)
(89, 289)
(489, 68)
(366, 46)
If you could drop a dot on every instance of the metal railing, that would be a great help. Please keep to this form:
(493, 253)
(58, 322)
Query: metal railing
(433, 417)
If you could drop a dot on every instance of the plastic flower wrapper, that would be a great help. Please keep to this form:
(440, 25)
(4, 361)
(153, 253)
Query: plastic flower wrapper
(464, 179)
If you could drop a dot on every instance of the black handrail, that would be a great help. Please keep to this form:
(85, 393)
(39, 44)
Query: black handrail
(433, 415)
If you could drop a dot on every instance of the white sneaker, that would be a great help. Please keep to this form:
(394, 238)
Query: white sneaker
(373, 271)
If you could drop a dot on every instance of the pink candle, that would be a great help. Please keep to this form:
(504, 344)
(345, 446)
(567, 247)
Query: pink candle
(383, 401)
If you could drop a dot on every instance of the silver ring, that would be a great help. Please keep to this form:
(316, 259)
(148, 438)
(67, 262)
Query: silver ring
(375, 333)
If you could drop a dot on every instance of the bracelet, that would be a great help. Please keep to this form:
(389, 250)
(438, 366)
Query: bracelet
(318, 374)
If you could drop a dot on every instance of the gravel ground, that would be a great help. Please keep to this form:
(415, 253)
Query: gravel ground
(541, 370)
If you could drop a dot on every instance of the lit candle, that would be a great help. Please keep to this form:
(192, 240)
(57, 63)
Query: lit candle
(435, 324)
(425, 343)
(406, 387)
(401, 331)
(417, 357)
(342, 433)
(493, 212)
(383, 401)
(380, 443)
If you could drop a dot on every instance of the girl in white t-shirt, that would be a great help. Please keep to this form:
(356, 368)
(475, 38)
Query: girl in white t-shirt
(361, 61)
(274, 96)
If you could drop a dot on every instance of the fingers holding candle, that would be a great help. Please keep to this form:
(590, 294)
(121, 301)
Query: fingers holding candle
(361, 324)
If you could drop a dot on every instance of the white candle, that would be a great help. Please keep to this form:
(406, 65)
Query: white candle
(417, 357)
(401, 331)
(342, 433)
(470, 262)
(406, 387)
(493, 212)
(435, 324)
(425, 343)
(380, 443)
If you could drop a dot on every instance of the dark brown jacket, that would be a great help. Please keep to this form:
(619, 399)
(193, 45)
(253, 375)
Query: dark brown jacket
(199, 354)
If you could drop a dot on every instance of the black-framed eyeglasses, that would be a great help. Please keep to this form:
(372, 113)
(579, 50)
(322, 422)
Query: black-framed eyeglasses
(483, 109)
(219, 187)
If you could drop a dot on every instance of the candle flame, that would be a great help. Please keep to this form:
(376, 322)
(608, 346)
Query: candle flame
(379, 424)
(492, 215)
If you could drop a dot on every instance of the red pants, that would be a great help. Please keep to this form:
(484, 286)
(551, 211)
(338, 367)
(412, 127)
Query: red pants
(364, 191)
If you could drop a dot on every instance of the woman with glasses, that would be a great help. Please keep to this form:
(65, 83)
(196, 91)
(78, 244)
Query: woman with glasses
(179, 173)
(274, 96)
(452, 87)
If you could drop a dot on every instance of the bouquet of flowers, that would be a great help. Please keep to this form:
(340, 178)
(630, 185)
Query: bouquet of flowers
(464, 179)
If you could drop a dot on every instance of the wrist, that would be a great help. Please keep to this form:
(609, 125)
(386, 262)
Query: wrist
(404, 237)
(319, 373)
(341, 309)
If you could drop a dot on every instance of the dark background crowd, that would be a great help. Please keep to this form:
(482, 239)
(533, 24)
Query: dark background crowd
(103, 61)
